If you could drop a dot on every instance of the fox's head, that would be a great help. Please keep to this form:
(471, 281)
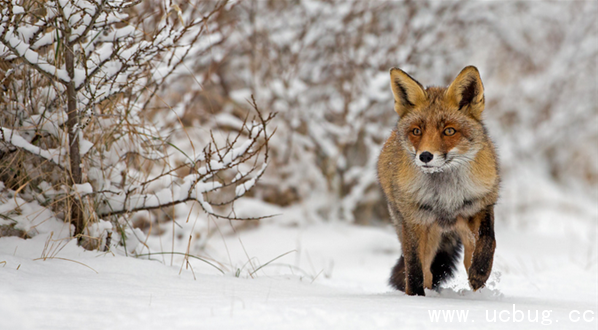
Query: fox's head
(440, 127)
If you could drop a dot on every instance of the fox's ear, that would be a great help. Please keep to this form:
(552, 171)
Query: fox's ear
(467, 92)
(407, 91)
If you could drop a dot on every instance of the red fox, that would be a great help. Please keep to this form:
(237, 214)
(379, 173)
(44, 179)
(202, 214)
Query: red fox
(440, 176)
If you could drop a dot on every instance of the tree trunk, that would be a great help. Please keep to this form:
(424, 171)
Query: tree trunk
(73, 127)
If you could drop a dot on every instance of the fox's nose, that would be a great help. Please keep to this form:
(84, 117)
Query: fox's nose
(426, 157)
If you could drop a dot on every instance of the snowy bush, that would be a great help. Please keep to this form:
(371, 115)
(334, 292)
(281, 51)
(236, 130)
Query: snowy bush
(78, 80)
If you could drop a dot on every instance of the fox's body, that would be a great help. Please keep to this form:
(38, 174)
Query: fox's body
(439, 173)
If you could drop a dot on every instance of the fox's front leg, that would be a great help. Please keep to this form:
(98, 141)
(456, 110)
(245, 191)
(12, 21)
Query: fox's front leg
(414, 277)
(483, 254)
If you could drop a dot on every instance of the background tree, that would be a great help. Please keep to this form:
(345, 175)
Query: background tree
(323, 66)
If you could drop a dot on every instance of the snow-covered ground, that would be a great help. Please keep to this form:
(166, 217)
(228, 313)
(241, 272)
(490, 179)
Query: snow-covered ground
(332, 277)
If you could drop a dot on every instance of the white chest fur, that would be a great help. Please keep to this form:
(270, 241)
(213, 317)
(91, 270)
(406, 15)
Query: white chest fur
(447, 191)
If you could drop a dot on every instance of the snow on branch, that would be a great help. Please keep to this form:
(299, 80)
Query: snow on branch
(208, 175)
(52, 155)
(23, 50)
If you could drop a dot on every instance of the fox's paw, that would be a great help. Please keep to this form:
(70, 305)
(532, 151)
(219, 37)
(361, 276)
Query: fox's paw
(415, 292)
(477, 279)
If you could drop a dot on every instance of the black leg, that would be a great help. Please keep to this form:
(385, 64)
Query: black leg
(483, 255)
(444, 264)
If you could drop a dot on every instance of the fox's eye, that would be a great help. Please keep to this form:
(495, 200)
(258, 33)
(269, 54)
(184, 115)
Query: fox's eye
(416, 131)
(449, 131)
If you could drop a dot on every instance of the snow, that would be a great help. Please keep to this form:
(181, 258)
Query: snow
(228, 120)
(333, 278)
(235, 153)
(84, 145)
(26, 32)
(83, 189)
(15, 139)
(31, 217)
(17, 10)
(244, 187)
